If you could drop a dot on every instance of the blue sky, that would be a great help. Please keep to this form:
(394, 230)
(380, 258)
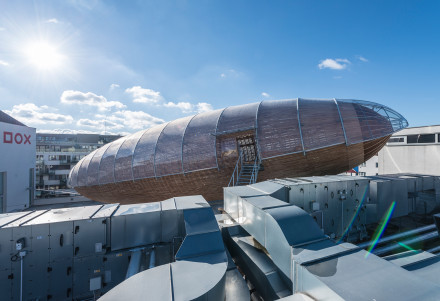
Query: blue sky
(122, 66)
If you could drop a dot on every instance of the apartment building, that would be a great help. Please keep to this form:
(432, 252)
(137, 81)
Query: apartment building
(56, 154)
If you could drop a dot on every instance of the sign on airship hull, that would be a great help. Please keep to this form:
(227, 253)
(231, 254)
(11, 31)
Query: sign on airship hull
(270, 139)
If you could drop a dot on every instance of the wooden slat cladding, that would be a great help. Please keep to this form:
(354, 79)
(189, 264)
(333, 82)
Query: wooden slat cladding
(143, 158)
(278, 128)
(124, 158)
(199, 142)
(237, 118)
(320, 123)
(107, 166)
(93, 169)
(197, 154)
(351, 122)
(168, 158)
(210, 183)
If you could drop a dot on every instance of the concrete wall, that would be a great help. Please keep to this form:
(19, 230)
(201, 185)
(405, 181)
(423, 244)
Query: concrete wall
(17, 157)
(423, 159)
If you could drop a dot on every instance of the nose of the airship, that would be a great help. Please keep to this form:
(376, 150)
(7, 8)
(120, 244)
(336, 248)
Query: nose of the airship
(380, 120)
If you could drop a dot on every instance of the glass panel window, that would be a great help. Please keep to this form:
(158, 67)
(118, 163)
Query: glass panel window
(396, 140)
(421, 138)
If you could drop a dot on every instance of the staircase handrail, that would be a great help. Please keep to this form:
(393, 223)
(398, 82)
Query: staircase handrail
(236, 172)
(255, 169)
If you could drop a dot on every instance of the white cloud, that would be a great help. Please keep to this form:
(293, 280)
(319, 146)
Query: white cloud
(264, 94)
(114, 86)
(142, 95)
(4, 63)
(335, 64)
(203, 107)
(31, 114)
(134, 119)
(89, 99)
(99, 124)
(186, 107)
(53, 20)
(71, 131)
(361, 58)
(2, 29)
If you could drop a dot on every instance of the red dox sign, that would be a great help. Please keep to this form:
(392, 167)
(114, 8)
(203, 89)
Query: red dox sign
(18, 138)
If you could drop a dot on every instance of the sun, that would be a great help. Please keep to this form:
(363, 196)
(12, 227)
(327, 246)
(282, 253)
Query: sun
(43, 55)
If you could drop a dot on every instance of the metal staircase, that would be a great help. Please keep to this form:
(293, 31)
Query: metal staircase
(245, 173)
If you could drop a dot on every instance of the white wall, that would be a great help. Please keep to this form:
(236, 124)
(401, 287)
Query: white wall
(423, 159)
(16, 159)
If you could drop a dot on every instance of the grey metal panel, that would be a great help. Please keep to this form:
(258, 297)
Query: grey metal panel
(35, 279)
(189, 202)
(106, 211)
(203, 243)
(199, 220)
(152, 284)
(202, 275)
(26, 218)
(390, 282)
(39, 243)
(60, 284)
(85, 268)
(115, 267)
(409, 257)
(275, 190)
(135, 225)
(6, 245)
(137, 208)
(61, 231)
(171, 221)
(5, 284)
(89, 236)
(7, 218)
(65, 214)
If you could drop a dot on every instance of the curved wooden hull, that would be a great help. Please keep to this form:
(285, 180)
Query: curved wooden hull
(210, 182)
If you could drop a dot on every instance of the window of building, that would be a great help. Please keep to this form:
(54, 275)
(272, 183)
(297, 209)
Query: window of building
(396, 140)
(363, 164)
(362, 173)
(421, 138)
(377, 164)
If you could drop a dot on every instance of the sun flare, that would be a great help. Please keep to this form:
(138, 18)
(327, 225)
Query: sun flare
(43, 55)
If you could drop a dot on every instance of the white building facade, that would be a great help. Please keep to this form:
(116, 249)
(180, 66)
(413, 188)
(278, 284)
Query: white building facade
(17, 164)
(412, 150)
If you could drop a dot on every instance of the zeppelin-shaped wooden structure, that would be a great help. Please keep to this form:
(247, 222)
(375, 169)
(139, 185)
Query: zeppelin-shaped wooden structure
(203, 153)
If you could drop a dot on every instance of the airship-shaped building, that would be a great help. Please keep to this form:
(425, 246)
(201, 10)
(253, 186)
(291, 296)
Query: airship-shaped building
(200, 154)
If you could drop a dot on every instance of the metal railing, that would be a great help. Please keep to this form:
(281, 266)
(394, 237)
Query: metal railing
(237, 169)
(255, 169)
(237, 173)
